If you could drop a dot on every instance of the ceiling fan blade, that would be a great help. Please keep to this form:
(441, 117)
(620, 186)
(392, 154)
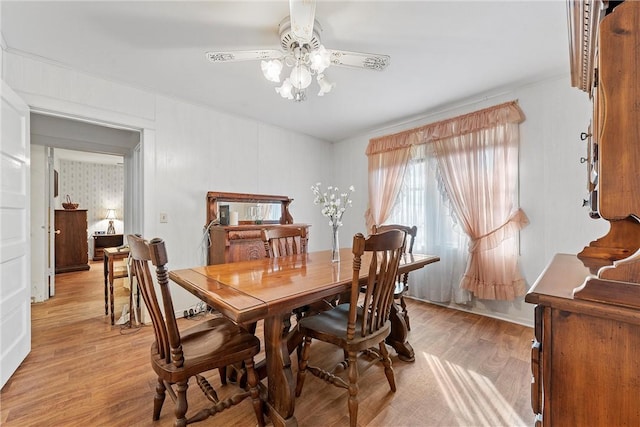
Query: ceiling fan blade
(243, 55)
(369, 61)
(302, 13)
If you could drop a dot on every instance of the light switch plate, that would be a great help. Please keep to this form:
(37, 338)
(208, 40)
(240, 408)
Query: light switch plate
(164, 217)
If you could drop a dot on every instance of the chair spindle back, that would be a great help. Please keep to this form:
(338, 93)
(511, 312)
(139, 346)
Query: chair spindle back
(386, 251)
(284, 241)
(412, 232)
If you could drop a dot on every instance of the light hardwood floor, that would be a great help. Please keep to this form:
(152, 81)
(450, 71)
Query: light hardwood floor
(469, 371)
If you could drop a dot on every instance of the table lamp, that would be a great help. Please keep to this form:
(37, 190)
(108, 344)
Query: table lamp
(111, 215)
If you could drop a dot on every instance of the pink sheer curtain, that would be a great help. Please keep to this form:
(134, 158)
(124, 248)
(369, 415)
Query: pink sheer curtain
(479, 169)
(386, 173)
(477, 158)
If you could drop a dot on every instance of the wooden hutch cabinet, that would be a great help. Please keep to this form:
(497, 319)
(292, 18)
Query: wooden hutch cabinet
(71, 245)
(254, 212)
(585, 357)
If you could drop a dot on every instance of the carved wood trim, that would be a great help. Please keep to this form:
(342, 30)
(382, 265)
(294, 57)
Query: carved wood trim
(624, 270)
(583, 18)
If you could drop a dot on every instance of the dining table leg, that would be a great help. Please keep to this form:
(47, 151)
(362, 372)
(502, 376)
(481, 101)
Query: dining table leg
(398, 336)
(280, 380)
(106, 286)
(111, 298)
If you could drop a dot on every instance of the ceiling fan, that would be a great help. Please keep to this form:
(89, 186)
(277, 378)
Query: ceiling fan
(303, 53)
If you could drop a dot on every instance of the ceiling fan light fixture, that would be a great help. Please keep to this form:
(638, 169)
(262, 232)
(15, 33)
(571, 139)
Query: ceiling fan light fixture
(319, 59)
(325, 84)
(302, 54)
(272, 69)
(300, 76)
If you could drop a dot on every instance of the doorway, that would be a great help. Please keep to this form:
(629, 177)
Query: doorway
(78, 141)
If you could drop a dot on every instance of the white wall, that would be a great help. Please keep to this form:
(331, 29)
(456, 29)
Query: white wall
(552, 179)
(198, 150)
(187, 151)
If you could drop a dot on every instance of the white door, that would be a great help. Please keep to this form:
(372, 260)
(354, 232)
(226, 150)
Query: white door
(51, 183)
(15, 250)
(38, 219)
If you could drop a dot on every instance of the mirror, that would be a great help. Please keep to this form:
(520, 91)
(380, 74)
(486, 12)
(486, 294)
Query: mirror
(255, 213)
(247, 209)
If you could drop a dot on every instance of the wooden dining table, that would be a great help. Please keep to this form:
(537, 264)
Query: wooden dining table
(269, 289)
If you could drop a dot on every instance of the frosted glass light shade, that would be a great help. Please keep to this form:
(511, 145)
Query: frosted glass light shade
(285, 90)
(325, 85)
(320, 59)
(300, 77)
(271, 70)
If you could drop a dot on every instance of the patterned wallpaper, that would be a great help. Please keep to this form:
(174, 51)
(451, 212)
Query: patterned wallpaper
(96, 187)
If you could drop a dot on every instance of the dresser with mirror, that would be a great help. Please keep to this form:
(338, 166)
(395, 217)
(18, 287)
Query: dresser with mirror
(235, 221)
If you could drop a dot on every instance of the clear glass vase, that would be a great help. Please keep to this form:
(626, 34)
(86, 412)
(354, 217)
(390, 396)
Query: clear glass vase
(335, 244)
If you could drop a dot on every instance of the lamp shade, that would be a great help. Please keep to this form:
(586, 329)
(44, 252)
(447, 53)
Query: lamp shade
(111, 214)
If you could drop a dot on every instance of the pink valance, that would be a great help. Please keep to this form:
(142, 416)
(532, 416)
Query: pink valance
(509, 112)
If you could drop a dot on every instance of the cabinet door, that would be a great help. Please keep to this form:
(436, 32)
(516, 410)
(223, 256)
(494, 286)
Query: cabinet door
(592, 369)
(72, 248)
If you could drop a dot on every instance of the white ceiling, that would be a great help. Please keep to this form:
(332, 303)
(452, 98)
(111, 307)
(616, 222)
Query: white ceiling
(441, 52)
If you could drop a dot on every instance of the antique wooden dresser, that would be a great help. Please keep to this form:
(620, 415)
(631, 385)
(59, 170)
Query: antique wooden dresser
(235, 221)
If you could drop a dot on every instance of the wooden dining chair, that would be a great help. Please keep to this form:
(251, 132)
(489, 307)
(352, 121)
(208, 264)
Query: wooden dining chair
(291, 241)
(362, 322)
(284, 241)
(401, 286)
(176, 355)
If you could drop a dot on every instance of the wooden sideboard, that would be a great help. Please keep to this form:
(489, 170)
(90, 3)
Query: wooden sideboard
(585, 356)
(232, 243)
(71, 241)
(240, 243)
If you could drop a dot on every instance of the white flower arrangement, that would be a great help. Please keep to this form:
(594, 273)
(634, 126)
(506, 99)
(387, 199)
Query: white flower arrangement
(334, 203)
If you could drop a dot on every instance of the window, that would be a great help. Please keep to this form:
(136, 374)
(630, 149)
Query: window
(477, 161)
(422, 203)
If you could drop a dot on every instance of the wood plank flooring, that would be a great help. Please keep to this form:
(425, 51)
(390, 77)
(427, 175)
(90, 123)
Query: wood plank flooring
(469, 371)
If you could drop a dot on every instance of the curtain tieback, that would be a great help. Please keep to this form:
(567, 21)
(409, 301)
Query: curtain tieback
(516, 221)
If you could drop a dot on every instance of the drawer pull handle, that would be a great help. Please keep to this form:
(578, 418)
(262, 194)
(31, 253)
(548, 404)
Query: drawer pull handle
(536, 387)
